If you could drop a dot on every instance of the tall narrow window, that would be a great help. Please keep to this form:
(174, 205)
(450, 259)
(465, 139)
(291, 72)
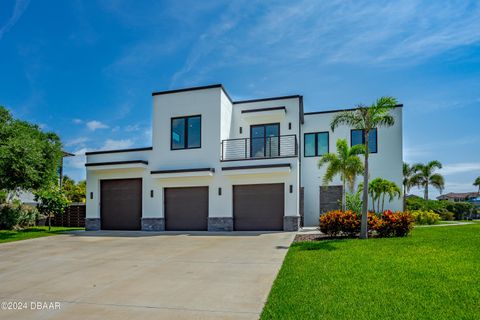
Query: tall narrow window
(315, 144)
(357, 137)
(186, 133)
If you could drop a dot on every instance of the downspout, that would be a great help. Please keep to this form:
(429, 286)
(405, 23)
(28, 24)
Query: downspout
(300, 125)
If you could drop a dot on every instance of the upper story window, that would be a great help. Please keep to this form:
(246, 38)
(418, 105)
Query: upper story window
(357, 137)
(315, 144)
(186, 133)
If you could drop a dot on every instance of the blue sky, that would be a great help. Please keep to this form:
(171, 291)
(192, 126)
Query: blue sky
(86, 69)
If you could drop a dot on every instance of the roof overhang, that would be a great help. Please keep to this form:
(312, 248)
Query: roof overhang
(183, 173)
(116, 165)
(258, 169)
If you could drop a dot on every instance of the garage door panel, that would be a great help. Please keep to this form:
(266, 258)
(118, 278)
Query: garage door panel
(258, 207)
(186, 209)
(121, 204)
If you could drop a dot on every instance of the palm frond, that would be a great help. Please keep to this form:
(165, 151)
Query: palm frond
(437, 181)
(332, 170)
(434, 164)
(347, 118)
(327, 158)
(477, 182)
(357, 149)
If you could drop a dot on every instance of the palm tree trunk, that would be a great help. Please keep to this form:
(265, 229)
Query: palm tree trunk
(404, 199)
(378, 202)
(344, 198)
(426, 192)
(364, 226)
(373, 204)
(383, 202)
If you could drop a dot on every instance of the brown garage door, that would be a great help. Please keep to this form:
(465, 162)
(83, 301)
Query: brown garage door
(186, 209)
(258, 207)
(121, 204)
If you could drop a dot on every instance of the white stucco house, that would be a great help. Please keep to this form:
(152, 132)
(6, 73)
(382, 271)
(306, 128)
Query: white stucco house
(221, 165)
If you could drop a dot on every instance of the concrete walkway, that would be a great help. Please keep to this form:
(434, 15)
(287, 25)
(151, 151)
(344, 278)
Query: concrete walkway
(137, 275)
(444, 224)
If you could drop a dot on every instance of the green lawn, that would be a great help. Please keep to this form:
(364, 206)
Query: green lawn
(30, 233)
(432, 274)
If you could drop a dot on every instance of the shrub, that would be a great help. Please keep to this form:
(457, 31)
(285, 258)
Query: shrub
(3, 196)
(337, 222)
(354, 202)
(461, 210)
(394, 224)
(446, 209)
(447, 215)
(14, 216)
(425, 217)
(417, 203)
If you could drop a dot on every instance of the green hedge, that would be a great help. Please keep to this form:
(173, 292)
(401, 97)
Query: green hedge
(445, 209)
(17, 216)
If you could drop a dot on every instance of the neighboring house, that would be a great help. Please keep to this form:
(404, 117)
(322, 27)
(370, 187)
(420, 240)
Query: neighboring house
(472, 197)
(217, 164)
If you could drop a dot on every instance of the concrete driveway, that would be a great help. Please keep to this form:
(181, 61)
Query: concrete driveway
(137, 275)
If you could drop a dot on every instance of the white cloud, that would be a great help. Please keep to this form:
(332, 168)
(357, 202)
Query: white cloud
(77, 121)
(111, 144)
(411, 154)
(76, 141)
(18, 10)
(78, 161)
(148, 136)
(94, 125)
(132, 127)
(331, 32)
(454, 168)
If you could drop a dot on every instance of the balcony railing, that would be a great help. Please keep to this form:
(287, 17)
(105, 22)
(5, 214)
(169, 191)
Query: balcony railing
(259, 148)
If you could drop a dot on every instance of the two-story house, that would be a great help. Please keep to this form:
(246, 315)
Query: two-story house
(221, 165)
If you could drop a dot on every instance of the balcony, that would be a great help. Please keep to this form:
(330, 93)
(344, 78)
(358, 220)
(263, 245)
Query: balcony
(259, 148)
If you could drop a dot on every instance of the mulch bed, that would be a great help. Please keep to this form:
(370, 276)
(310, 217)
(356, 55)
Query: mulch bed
(317, 237)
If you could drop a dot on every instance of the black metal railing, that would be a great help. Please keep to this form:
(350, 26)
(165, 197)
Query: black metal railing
(259, 148)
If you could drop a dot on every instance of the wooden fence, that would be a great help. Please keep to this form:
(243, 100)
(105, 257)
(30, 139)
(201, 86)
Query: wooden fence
(74, 216)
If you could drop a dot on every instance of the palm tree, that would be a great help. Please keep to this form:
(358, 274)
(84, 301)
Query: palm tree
(378, 189)
(367, 118)
(477, 183)
(390, 189)
(374, 191)
(424, 176)
(408, 172)
(345, 163)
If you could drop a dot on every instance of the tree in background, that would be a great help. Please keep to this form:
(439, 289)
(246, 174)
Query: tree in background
(52, 202)
(477, 183)
(408, 172)
(29, 157)
(425, 176)
(367, 118)
(379, 189)
(344, 163)
(75, 192)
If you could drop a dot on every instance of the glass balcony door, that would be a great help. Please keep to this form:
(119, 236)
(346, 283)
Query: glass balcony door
(264, 140)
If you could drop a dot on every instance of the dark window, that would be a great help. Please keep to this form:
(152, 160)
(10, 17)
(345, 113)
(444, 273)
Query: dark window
(186, 133)
(356, 137)
(315, 144)
(265, 140)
